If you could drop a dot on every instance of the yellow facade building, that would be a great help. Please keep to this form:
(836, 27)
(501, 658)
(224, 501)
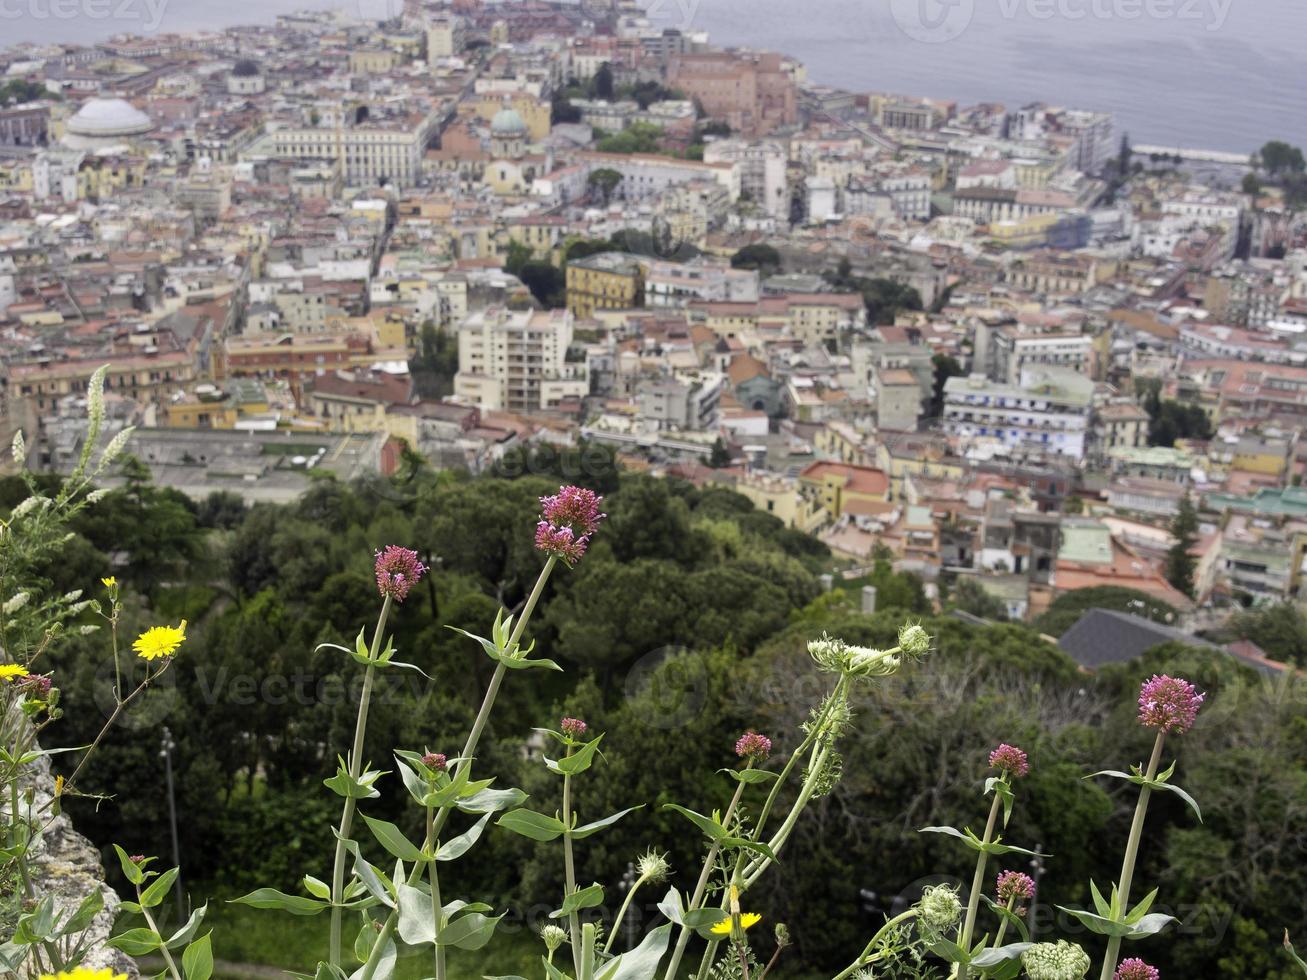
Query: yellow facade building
(606, 281)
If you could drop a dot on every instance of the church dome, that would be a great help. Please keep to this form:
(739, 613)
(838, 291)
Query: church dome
(507, 122)
(108, 119)
(245, 68)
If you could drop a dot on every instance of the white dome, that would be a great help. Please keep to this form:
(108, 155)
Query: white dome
(100, 118)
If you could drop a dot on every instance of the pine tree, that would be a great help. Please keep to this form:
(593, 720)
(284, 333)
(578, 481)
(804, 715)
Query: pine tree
(1180, 563)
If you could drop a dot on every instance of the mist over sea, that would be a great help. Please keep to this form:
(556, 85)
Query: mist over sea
(1216, 74)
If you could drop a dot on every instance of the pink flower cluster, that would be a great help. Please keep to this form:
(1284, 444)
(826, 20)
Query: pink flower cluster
(398, 570)
(568, 519)
(754, 747)
(435, 761)
(1014, 887)
(1136, 969)
(1010, 760)
(1169, 704)
(574, 728)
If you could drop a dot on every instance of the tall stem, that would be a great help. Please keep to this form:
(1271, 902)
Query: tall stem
(355, 770)
(437, 908)
(1131, 855)
(569, 870)
(621, 913)
(867, 951)
(701, 887)
(469, 749)
(1002, 925)
(163, 947)
(978, 882)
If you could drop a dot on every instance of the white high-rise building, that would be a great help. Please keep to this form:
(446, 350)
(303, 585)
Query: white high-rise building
(516, 360)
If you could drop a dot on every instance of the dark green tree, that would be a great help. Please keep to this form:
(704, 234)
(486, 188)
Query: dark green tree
(1180, 563)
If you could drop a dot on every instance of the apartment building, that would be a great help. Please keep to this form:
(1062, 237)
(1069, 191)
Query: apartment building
(516, 360)
(751, 92)
(606, 281)
(1047, 414)
(370, 147)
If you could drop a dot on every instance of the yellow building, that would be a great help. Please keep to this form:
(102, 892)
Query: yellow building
(899, 457)
(16, 176)
(543, 235)
(100, 178)
(201, 411)
(372, 61)
(606, 281)
(534, 112)
(1255, 454)
(840, 489)
(839, 440)
(780, 497)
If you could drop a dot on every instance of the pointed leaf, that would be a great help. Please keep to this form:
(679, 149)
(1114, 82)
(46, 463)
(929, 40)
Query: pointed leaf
(470, 931)
(708, 825)
(593, 828)
(456, 847)
(270, 898)
(530, 824)
(393, 840)
(197, 961)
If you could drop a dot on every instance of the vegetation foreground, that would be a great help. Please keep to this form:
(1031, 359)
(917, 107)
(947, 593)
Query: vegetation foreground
(775, 773)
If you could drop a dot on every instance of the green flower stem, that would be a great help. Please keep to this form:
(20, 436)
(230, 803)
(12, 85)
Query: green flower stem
(437, 909)
(755, 870)
(701, 887)
(621, 914)
(355, 769)
(978, 881)
(469, 747)
(1131, 855)
(163, 947)
(569, 869)
(866, 957)
(1002, 926)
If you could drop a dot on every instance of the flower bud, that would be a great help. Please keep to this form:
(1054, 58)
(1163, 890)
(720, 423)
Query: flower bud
(553, 937)
(940, 907)
(1055, 961)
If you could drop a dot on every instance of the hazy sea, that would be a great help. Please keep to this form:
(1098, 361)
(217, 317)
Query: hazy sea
(1215, 74)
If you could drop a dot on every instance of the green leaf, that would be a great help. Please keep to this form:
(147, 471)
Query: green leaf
(1102, 905)
(640, 963)
(999, 785)
(492, 800)
(948, 950)
(1140, 910)
(197, 961)
(751, 777)
(136, 942)
(578, 762)
(582, 898)
(417, 923)
(130, 870)
(1008, 916)
(372, 878)
(530, 824)
(158, 889)
(87, 910)
(393, 840)
(270, 898)
(1288, 946)
(343, 784)
(1148, 925)
(187, 932)
(593, 828)
(456, 847)
(1000, 954)
(317, 888)
(750, 845)
(1193, 804)
(708, 825)
(470, 931)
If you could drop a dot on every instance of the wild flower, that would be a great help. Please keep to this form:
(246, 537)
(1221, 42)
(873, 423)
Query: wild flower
(12, 672)
(1169, 704)
(1013, 888)
(573, 728)
(653, 867)
(1136, 969)
(1009, 760)
(553, 937)
(753, 747)
(914, 640)
(573, 507)
(747, 921)
(398, 570)
(435, 761)
(36, 684)
(1055, 961)
(940, 908)
(84, 973)
(560, 542)
(159, 641)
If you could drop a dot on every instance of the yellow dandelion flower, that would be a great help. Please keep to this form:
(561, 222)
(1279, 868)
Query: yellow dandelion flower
(747, 921)
(11, 672)
(84, 973)
(109, 582)
(159, 641)
(58, 785)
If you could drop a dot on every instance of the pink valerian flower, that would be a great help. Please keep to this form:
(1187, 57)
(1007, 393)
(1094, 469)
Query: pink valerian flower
(753, 747)
(136, 858)
(1010, 760)
(36, 684)
(573, 507)
(568, 519)
(398, 570)
(560, 542)
(1136, 969)
(1169, 704)
(1013, 888)
(435, 761)
(573, 728)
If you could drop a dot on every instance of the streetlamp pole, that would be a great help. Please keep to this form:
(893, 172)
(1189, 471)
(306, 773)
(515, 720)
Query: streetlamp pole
(166, 751)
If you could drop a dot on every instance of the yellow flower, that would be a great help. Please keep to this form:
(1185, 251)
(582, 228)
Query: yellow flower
(109, 582)
(11, 672)
(747, 920)
(84, 973)
(58, 785)
(159, 641)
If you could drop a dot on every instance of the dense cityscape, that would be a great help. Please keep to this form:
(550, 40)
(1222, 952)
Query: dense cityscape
(999, 366)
